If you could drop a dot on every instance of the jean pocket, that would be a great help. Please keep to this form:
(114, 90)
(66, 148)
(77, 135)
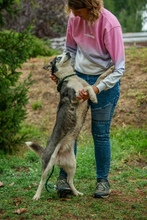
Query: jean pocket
(102, 113)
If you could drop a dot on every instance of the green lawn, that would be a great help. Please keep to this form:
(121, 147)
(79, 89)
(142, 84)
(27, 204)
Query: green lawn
(21, 174)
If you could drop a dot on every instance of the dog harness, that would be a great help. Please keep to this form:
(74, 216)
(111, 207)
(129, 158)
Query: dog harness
(62, 80)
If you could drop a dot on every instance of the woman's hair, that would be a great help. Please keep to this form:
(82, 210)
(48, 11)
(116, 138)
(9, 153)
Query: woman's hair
(94, 7)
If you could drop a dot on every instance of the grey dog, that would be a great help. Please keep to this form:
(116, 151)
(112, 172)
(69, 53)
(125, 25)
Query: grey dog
(70, 117)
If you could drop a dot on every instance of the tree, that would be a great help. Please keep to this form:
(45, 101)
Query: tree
(128, 12)
(6, 6)
(48, 17)
(14, 51)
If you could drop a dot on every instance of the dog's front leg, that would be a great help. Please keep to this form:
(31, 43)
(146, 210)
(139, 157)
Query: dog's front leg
(92, 94)
(89, 88)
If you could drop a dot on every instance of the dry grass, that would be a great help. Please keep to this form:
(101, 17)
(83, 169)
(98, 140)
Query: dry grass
(132, 106)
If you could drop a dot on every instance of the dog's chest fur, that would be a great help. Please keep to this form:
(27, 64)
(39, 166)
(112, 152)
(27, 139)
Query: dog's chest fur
(74, 110)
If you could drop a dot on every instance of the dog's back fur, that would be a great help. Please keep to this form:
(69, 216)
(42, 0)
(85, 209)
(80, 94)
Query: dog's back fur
(70, 117)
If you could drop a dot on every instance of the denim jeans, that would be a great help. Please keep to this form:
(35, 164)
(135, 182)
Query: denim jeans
(101, 117)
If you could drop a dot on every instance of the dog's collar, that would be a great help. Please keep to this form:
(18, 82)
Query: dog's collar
(62, 80)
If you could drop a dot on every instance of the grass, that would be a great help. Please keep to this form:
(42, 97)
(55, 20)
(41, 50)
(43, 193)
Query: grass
(21, 173)
(37, 105)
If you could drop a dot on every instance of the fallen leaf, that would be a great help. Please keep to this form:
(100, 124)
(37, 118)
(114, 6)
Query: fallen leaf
(35, 184)
(20, 211)
(17, 202)
(1, 184)
(11, 184)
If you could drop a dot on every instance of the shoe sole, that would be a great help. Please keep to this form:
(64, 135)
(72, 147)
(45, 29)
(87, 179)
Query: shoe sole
(64, 193)
(103, 197)
(99, 197)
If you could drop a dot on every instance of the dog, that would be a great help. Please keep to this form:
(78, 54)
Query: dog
(70, 117)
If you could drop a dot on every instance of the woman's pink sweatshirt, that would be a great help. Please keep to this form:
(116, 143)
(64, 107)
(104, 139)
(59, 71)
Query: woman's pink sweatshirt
(97, 47)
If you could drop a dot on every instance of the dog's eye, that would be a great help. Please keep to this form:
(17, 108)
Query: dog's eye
(58, 59)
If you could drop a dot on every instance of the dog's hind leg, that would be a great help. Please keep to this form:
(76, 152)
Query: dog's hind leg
(71, 184)
(45, 172)
(70, 170)
(41, 184)
(42, 181)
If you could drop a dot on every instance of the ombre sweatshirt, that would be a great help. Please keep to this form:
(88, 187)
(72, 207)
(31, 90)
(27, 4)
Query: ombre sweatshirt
(95, 48)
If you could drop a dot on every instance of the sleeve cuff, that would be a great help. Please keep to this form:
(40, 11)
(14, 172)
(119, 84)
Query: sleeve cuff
(101, 86)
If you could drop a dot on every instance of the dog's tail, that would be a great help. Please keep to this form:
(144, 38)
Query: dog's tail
(36, 148)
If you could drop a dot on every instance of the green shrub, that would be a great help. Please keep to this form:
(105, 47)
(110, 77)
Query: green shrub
(37, 105)
(39, 47)
(14, 50)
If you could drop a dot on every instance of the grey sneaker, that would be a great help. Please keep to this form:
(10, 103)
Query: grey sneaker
(63, 188)
(102, 189)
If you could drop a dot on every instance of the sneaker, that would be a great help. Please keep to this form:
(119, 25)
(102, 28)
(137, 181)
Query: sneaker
(102, 189)
(63, 188)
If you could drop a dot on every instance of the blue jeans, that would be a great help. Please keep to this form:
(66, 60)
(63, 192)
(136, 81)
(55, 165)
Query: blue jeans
(101, 115)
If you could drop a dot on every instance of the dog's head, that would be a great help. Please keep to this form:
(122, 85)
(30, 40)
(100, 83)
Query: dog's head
(59, 64)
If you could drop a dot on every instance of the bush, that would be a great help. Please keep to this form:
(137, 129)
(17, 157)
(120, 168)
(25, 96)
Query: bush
(41, 47)
(38, 47)
(15, 49)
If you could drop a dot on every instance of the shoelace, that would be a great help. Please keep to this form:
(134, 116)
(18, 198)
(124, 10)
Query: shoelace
(62, 181)
(101, 186)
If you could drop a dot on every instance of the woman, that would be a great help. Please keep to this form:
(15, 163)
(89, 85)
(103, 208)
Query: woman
(94, 40)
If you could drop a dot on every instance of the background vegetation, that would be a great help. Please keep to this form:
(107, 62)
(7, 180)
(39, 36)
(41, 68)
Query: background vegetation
(50, 20)
(48, 17)
(129, 13)
(15, 49)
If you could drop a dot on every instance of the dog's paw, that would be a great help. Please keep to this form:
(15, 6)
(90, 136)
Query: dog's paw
(93, 99)
(77, 193)
(80, 194)
(36, 197)
(28, 143)
(92, 95)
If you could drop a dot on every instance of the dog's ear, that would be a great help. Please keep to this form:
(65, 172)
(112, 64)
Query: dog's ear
(64, 57)
(54, 69)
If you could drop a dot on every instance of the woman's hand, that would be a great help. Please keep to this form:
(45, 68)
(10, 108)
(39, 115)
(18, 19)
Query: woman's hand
(85, 95)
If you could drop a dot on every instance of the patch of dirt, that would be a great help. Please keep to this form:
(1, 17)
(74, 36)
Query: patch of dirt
(131, 109)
